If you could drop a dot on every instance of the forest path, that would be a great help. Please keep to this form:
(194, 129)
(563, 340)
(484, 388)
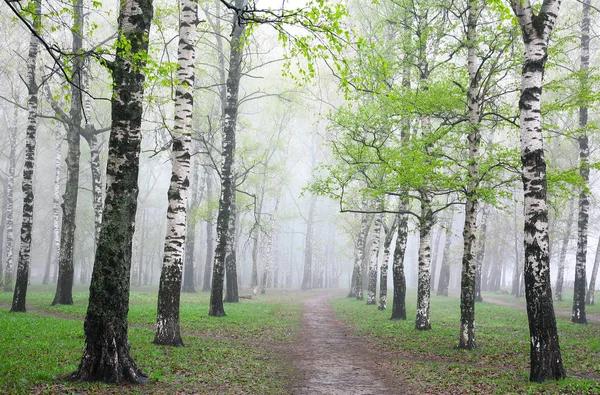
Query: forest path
(329, 359)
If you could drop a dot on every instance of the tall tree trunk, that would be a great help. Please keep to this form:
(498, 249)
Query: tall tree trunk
(20, 293)
(359, 253)
(54, 246)
(231, 280)
(578, 315)
(546, 360)
(445, 270)
(435, 246)
(168, 331)
(560, 277)
(190, 238)
(64, 285)
(227, 163)
(270, 261)
(422, 321)
(10, 191)
(399, 278)
(373, 261)
(106, 355)
(470, 265)
(481, 255)
(256, 241)
(383, 278)
(209, 237)
(308, 247)
(589, 298)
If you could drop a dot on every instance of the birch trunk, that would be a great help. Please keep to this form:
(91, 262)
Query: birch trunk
(422, 321)
(560, 277)
(54, 246)
(470, 265)
(373, 261)
(445, 270)
(64, 285)
(10, 191)
(106, 356)
(20, 293)
(546, 360)
(481, 255)
(268, 269)
(190, 238)
(209, 237)
(578, 315)
(399, 278)
(227, 162)
(589, 299)
(383, 278)
(168, 331)
(231, 281)
(359, 252)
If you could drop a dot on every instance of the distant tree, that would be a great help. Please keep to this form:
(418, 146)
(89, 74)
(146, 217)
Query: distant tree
(106, 356)
(54, 246)
(72, 122)
(560, 276)
(10, 185)
(373, 260)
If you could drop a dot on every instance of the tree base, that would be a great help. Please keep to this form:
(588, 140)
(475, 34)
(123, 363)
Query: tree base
(109, 362)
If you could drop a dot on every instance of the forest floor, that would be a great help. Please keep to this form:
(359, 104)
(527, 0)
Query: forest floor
(329, 359)
(520, 304)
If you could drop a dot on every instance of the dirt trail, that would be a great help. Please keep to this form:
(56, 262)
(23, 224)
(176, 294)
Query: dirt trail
(328, 359)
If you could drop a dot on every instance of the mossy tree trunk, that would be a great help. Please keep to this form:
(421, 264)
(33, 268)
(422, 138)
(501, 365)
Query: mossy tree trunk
(106, 355)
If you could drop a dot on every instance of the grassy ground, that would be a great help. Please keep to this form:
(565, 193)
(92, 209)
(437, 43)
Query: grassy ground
(233, 354)
(500, 364)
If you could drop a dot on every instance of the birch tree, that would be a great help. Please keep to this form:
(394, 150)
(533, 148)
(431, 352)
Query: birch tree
(227, 162)
(72, 122)
(546, 360)
(167, 320)
(578, 314)
(22, 278)
(10, 185)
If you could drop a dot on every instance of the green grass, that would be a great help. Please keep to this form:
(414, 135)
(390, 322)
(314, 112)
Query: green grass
(500, 365)
(232, 354)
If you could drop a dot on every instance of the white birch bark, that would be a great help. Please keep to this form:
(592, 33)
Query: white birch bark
(10, 191)
(22, 279)
(167, 321)
(546, 360)
(373, 261)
